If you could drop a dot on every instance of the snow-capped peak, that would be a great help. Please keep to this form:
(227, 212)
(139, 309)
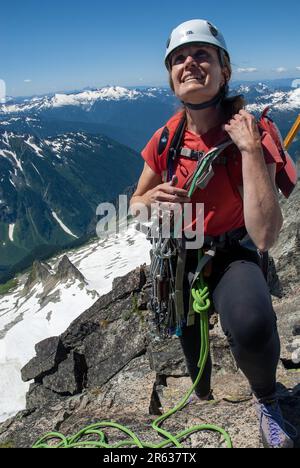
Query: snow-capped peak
(115, 93)
(84, 99)
(279, 100)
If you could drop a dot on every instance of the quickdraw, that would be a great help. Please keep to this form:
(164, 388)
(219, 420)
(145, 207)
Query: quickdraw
(164, 254)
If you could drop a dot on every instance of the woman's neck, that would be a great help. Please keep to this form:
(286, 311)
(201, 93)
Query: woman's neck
(201, 121)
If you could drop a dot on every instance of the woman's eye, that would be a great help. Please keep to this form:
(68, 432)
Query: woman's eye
(201, 54)
(178, 59)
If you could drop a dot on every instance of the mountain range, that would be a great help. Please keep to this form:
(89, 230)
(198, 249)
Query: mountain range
(130, 116)
(50, 189)
(126, 115)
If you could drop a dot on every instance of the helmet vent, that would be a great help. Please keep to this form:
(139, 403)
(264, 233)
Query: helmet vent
(213, 29)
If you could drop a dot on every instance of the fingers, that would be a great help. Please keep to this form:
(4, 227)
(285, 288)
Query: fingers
(170, 198)
(236, 120)
(168, 193)
(246, 114)
(241, 115)
(167, 188)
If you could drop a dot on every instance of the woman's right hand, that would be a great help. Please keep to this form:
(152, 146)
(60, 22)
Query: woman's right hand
(168, 193)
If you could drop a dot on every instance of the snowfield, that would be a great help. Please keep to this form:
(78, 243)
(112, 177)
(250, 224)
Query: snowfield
(24, 321)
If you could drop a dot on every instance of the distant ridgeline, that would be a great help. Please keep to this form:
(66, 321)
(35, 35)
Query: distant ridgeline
(50, 189)
(62, 155)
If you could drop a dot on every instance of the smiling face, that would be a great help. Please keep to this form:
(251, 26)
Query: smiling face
(196, 73)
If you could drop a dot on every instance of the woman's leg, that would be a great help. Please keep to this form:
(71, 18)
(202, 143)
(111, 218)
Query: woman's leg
(190, 339)
(244, 304)
(190, 343)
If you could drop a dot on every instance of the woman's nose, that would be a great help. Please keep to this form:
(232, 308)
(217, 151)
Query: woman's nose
(189, 60)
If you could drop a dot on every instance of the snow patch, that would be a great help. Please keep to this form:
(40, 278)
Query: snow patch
(36, 170)
(11, 232)
(10, 154)
(12, 183)
(37, 150)
(62, 225)
(6, 138)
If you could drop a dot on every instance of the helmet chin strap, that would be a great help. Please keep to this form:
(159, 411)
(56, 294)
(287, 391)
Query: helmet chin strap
(214, 102)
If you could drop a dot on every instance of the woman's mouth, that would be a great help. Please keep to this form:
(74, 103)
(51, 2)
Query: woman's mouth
(199, 79)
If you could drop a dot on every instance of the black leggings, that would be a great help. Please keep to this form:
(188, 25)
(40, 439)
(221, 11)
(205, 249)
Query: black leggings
(241, 297)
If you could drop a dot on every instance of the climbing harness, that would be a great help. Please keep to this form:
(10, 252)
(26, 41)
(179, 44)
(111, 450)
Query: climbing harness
(169, 255)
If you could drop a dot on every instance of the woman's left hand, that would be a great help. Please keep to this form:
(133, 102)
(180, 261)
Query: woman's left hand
(243, 131)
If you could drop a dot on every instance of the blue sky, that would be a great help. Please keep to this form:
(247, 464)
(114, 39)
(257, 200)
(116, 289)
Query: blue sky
(66, 45)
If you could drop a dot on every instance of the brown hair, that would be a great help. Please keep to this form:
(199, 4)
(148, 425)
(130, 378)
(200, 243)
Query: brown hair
(231, 105)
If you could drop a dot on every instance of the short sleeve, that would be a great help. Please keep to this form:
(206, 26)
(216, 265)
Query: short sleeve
(235, 165)
(150, 152)
(271, 155)
(271, 151)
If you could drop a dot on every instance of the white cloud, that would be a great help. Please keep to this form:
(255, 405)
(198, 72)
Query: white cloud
(280, 69)
(2, 92)
(27, 81)
(247, 70)
(297, 68)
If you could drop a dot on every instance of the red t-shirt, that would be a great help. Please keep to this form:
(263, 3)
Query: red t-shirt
(223, 205)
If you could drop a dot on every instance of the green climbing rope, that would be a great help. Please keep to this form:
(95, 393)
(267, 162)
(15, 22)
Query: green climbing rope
(201, 305)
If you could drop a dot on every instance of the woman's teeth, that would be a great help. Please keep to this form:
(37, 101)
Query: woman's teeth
(194, 79)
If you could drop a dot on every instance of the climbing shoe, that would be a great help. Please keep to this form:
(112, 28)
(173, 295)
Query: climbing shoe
(194, 398)
(272, 425)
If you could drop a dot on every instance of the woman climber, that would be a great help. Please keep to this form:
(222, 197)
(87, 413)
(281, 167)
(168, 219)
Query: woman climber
(241, 197)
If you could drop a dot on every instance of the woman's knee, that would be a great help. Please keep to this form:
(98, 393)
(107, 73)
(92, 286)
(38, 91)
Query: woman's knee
(254, 329)
(246, 313)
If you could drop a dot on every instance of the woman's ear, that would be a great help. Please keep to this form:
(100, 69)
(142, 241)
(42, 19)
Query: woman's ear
(226, 74)
(226, 77)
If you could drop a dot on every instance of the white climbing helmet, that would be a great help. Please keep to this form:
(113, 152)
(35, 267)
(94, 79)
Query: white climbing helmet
(193, 31)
